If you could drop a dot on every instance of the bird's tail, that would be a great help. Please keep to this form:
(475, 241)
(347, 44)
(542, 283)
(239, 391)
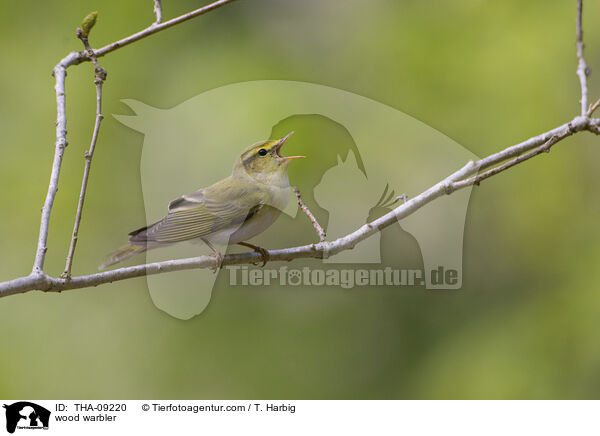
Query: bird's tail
(121, 254)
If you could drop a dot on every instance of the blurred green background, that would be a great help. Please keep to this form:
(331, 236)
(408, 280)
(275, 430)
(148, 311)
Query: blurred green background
(487, 74)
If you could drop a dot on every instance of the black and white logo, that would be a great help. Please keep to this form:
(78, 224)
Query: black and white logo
(26, 415)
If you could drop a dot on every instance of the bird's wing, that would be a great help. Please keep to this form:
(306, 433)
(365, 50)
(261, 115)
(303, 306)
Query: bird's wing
(201, 213)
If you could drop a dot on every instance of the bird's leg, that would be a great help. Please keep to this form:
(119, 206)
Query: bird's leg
(218, 256)
(263, 252)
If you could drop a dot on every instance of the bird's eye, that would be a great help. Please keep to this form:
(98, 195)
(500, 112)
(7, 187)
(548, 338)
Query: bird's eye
(262, 152)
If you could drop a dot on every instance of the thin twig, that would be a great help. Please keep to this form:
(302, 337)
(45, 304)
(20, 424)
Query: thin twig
(158, 11)
(59, 72)
(593, 108)
(99, 78)
(159, 27)
(544, 148)
(310, 216)
(582, 68)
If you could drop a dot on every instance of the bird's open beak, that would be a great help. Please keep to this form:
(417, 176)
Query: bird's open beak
(280, 144)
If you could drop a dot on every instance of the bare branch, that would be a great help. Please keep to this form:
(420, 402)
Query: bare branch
(99, 78)
(158, 27)
(158, 11)
(60, 72)
(455, 181)
(582, 68)
(464, 177)
(544, 148)
(310, 216)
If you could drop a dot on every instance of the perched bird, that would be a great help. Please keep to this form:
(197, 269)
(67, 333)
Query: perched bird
(231, 211)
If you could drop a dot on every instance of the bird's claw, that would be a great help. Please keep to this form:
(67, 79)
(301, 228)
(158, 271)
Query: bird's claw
(263, 252)
(265, 255)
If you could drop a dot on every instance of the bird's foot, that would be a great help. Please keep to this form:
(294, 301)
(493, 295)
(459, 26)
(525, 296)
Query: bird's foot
(218, 262)
(263, 252)
(217, 254)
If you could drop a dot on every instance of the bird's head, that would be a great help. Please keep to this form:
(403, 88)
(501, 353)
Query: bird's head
(264, 162)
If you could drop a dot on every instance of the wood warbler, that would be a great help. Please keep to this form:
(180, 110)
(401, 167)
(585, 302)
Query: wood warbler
(229, 212)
